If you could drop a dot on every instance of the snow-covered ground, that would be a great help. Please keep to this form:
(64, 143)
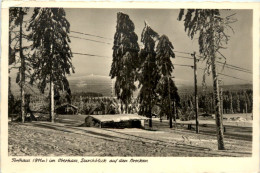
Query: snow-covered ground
(67, 138)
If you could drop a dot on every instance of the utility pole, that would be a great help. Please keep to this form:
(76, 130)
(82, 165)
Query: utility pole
(196, 94)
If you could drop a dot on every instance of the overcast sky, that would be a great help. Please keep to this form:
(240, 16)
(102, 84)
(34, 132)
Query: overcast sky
(102, 22)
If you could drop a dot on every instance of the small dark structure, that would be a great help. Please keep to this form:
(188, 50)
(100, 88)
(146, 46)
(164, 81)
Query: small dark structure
(66, 109)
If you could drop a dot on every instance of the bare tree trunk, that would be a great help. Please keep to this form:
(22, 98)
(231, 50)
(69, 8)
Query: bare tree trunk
(9, 96)
(170, 109)
(150, 114)
(126, 107)
(121, 107)
(174, 113)
(22, 70)
(150, 107)
(218, 115)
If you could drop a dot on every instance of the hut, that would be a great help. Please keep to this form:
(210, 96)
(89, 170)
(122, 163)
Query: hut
(66, 109)
(115, 121)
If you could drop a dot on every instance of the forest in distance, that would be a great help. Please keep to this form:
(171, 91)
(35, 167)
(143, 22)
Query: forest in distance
(237, 100)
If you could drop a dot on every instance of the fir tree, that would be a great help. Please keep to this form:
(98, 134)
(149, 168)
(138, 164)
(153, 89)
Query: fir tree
(125, 59)
(166, 87)
(149, 76)
(52, 57)
(16, 34)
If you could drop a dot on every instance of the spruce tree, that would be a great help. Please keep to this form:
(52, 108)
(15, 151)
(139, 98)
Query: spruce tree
(166, 87)
(149, 76)
(52, 54)
(17, 35)
(125, 59)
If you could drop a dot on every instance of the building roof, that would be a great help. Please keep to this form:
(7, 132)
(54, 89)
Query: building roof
(118, 117)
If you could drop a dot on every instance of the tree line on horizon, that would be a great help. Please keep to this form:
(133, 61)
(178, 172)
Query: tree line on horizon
(231, 102)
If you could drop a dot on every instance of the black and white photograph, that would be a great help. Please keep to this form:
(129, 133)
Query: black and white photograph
(130, 82)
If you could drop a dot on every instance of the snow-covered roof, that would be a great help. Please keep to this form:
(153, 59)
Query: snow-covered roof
(118, 117)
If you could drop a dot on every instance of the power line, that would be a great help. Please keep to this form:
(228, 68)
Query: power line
(229, 76)
(227, 65)
(111, 57)
(184, 65)
(233, 77)
(235, 67)
(91, 35)
(187, 53)
(232, 66)
(90, 40)
(238, 70)
(90, 55)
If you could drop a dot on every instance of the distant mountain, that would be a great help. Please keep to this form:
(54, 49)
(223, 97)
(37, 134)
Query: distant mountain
(104, 85)
(91, 83)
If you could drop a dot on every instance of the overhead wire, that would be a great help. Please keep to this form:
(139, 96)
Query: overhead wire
(233, 77)
(182, 52)
(90, 40)
(91, 35)
(235, 67)
(92, 55)
(187, 53)
(184, 65)
(230, 66)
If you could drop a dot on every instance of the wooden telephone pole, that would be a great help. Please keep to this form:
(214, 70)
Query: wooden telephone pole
(196, 94)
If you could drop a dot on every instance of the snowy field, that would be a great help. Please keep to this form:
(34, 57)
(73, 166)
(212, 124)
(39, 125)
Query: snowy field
(67, 137)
